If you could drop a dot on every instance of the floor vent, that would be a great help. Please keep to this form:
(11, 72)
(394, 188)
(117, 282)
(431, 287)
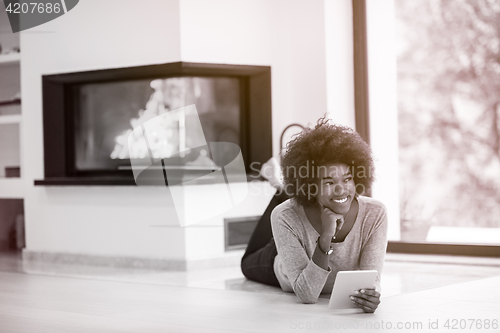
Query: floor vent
(238, 231)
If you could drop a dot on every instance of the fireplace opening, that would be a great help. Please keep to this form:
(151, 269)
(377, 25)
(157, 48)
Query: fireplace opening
(89, 116)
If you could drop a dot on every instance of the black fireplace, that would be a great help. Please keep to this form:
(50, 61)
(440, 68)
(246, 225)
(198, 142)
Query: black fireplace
(88, 117)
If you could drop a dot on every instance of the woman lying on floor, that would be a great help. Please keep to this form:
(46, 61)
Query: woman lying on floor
(319, 222)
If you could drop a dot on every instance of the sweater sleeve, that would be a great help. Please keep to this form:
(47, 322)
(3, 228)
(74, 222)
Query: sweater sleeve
(373, 252)
(306, 278)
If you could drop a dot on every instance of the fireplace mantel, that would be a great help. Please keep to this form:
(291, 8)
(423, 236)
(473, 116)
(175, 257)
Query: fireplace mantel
(112, 181)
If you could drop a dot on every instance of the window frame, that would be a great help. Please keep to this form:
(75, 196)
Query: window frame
(362, 121)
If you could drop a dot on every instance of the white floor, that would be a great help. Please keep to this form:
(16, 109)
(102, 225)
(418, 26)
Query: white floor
(41, 303)
(402, 273)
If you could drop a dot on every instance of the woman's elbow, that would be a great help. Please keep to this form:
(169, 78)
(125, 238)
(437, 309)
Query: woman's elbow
(309, 301)
(307, 298)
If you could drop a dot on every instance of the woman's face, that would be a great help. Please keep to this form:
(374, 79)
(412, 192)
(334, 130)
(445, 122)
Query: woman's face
(336, 187)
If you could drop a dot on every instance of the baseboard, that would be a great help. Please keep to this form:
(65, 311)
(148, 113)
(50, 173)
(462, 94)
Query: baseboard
(442, 259)
(472, 250)
(41, 257)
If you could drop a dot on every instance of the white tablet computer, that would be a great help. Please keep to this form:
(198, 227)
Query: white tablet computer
(346, 283)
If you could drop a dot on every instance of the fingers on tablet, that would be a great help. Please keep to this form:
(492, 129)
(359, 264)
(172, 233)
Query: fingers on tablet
(365, 300)
(369, 292)
(368, 309)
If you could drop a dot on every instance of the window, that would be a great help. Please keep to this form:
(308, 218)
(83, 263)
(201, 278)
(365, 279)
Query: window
(434, 77)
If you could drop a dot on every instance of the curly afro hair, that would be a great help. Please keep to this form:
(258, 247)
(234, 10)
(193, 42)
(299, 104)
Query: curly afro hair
(324, 144)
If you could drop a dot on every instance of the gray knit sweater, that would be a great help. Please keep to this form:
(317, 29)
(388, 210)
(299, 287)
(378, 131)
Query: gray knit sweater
(363, 248)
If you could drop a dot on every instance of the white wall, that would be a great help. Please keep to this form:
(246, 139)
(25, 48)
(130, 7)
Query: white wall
(383, 107)
(340, 64)
(289, 36)
(95, 220)
(299, 64)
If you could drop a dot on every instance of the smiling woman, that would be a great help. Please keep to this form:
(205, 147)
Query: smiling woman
(327, 225)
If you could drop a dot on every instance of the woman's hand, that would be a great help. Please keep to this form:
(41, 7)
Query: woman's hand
(329, 220)
(366, 299)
